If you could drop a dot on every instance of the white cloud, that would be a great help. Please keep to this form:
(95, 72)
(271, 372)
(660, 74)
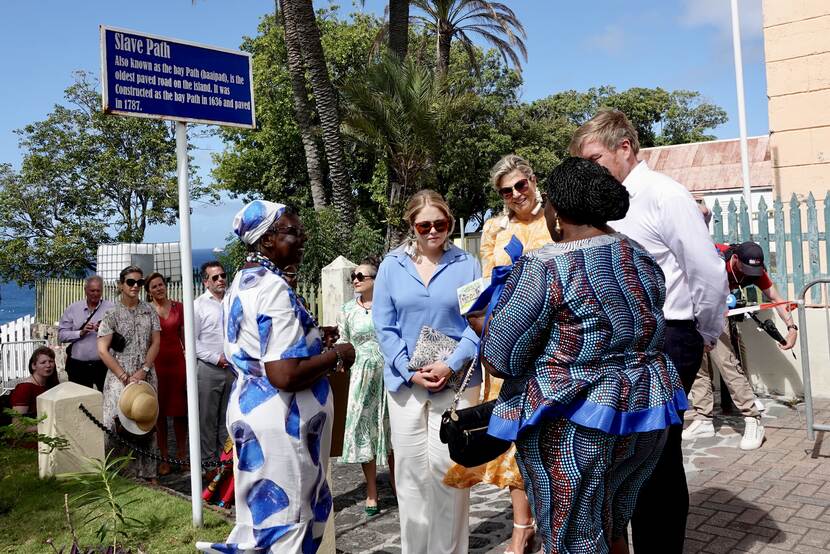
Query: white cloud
(718, 14)
(611, 40)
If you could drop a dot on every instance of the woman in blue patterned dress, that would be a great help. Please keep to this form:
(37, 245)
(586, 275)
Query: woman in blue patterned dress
(588, 394)
(280, 408)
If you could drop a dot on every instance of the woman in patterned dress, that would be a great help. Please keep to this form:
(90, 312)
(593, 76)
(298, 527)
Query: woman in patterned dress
(170, 369)
(366, 438)
(514, 180)
(588, 395)
(137, 322)
(280, 408)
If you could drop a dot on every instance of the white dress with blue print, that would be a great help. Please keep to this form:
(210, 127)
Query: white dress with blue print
(281, 439)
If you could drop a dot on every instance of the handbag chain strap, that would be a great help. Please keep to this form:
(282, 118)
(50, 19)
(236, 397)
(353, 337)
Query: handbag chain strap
(461, 389)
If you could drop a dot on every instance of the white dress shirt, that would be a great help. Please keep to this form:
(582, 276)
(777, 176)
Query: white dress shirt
(208, 313)
(665, 220)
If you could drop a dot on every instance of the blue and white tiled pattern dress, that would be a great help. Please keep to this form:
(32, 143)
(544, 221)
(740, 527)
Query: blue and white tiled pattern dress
(281, 439)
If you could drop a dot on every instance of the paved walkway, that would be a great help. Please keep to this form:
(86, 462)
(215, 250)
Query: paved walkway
(771, 500)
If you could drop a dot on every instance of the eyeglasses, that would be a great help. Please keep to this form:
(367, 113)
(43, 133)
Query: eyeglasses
(361, 277)
(292, 231)
(134, 283)
(519, 186)
(218, 276)
(424, 227)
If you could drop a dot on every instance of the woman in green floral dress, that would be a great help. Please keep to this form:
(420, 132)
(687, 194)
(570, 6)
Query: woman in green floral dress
(366, 439)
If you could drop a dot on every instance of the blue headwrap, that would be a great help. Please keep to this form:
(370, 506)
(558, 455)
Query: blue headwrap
(255, 218)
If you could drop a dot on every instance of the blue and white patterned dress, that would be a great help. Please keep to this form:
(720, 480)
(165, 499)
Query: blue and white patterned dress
(281, 439)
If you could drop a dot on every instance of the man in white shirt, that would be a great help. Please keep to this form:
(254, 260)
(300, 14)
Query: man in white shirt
(665, 220)
(215, 378)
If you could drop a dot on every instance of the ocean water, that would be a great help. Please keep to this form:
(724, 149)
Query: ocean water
(16, 301)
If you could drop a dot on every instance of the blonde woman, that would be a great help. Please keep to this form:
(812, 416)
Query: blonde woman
(416, 287)
(524, 218)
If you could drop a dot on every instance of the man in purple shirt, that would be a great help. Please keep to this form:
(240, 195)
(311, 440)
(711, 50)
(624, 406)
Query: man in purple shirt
(79, 327)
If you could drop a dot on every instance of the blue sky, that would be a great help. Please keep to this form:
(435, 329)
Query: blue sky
(673, 44)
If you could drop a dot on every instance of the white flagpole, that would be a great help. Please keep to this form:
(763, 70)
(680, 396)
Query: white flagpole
(739, 83)
(189, 327)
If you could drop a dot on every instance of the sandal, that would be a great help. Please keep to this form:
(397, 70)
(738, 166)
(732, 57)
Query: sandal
(530, 543)
(372, 510)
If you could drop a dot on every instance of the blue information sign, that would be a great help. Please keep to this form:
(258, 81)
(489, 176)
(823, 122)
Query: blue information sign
(149, 76)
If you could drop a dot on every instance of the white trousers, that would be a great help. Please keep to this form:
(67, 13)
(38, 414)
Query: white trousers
(434, 517)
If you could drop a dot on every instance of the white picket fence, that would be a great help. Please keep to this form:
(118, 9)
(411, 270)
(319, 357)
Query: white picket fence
(16, 346)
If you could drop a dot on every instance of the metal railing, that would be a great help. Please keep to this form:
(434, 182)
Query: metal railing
(805, 355)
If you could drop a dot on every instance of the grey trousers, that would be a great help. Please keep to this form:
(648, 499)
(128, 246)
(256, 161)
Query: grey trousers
(214, 388)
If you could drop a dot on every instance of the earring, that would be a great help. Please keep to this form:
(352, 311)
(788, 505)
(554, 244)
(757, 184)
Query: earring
(557, 226)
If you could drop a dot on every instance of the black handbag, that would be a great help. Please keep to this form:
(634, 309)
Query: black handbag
(464, 431)
(118, 342)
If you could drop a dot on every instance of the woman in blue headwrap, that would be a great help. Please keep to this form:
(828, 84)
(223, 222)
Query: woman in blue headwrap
(280, 408)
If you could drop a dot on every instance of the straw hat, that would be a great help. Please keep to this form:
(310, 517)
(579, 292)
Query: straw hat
(138, 408)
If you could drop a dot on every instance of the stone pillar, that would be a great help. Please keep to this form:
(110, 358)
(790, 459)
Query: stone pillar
(336, 289)
(64, 419)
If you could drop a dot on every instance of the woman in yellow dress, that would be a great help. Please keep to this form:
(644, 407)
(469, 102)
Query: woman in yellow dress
(523, 216)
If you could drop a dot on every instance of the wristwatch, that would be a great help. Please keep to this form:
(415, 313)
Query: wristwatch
(147, 370)
(792, 326)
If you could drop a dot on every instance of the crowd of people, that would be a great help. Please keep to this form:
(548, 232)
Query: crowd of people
(598, 333)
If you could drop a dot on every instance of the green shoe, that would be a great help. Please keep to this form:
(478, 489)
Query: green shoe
(372, 511)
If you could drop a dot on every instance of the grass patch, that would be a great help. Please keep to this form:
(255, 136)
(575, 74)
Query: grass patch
(31, 511)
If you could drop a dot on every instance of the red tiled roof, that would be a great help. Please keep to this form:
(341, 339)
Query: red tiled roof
(713, 166)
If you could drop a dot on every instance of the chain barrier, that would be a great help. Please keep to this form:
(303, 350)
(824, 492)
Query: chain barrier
(210, 463)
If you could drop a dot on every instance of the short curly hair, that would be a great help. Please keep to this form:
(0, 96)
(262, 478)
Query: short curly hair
(585, 193)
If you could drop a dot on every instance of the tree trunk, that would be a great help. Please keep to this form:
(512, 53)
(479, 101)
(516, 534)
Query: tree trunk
(399, 27)
(302, 112)
(301, 13)
(444, 41)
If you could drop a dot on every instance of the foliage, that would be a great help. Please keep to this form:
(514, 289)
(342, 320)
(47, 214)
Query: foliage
(22, 430)
(32, 511)
(103, 504)
(495, 22)
(87, 178)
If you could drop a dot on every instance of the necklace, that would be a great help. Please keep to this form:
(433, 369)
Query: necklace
(257, 258)
(363, 305)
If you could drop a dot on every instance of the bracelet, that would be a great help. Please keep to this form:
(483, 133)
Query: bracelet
(339, 365)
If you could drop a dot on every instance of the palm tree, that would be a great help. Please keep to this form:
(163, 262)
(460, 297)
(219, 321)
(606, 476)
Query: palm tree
(397, 107)
(494, 21)
(299, 14)
(399, 27)
(302, 111)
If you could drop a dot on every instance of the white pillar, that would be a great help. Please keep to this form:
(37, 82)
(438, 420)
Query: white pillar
(336, 289)
(739, 84)
(64, 419)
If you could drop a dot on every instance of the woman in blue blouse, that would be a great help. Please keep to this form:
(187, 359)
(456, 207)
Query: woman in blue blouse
(416, 287)
(588, 394)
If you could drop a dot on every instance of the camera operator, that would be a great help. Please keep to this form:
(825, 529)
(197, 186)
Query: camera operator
(744, 267)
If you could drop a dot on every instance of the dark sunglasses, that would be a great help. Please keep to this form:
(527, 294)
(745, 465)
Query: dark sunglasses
(519, 186)
(292, 231)
(218, 276)
(134, 283)
(361, 277)
(424, 227)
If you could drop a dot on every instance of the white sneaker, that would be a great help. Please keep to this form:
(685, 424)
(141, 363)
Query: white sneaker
(759, 405)
(753, 434)
(699, 428)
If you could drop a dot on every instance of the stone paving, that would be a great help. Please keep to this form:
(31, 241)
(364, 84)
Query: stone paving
(770, 500)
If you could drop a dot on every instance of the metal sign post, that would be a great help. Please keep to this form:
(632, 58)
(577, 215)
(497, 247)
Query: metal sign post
(161, 78)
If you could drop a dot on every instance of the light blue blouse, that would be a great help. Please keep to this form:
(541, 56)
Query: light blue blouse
(402, 305)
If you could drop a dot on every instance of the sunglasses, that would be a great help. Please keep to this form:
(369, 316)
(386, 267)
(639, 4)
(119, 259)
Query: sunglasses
(134, 283)
(518, 186)
(424, 227)
(292, 231)
(218, 276)
(361, 277)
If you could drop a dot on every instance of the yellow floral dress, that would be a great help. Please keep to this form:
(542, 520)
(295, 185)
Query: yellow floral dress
(503, 471)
